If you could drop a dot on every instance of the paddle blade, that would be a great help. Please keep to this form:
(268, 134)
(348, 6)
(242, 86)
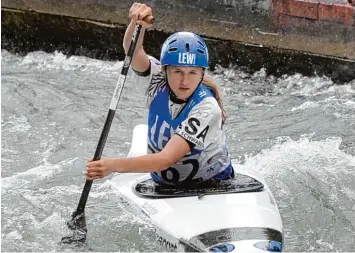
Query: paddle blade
(78, 225)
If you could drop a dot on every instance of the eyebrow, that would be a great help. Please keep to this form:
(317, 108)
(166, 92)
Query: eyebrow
(194, 70)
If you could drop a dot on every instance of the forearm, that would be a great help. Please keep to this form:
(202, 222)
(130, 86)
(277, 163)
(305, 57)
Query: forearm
(140, 61)
(128, 37)
(147, 163)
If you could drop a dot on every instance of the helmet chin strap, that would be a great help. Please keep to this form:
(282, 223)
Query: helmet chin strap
(173, 96)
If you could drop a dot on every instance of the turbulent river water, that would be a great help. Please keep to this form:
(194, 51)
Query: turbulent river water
(298, 132)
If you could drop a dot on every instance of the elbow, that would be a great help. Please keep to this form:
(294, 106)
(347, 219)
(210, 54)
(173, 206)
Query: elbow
(126, 48)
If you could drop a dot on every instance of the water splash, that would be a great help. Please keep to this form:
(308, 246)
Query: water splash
(16, 124)
(37, 174)
(58, 61)
(322, 174)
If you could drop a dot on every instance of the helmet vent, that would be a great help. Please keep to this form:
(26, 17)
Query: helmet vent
(200, 51)
(187, 47)
(199, 42)
(171, 42)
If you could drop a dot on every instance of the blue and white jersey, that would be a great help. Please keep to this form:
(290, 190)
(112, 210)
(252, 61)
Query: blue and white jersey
(198, 121)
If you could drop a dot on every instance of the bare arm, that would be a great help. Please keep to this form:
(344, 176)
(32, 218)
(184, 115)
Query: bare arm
(140, 14)
(175, 149)
(140, 60)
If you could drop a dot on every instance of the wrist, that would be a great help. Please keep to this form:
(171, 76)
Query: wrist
(112, 164)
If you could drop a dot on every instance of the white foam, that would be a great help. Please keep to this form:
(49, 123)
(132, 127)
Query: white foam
(350, 104)
(41, 172)
(306, 105)
(341, 106)
(313, 184)
(47, 231)
(52, 223)
(16, 124)
(57, 60)
(325, 244)
(9, 151)
(41, 196)
(306, 86)
(14, 235)
(335, 89)
(312, 86)
(321, 159)
(6, 56)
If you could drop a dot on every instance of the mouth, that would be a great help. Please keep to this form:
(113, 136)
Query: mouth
(183, 89)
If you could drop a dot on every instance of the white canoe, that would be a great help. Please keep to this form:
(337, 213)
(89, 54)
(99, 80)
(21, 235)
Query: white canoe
(243, 219)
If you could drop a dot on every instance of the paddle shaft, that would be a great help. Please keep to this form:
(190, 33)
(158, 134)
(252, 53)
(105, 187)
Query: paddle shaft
(111, 113)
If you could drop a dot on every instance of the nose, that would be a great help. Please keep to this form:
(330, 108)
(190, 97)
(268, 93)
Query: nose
(184, 79)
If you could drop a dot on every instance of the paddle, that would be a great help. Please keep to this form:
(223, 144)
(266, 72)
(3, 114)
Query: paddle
(77, 222)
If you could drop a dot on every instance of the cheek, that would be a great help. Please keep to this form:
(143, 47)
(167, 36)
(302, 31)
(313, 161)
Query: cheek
(172, 82)
(193, 86)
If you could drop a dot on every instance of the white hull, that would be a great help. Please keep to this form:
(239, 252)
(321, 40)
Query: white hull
(239, 221)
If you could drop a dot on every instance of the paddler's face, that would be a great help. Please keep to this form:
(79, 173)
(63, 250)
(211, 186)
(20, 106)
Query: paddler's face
(184, 80)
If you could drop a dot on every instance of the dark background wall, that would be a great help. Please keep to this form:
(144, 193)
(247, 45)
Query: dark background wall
(283, 36)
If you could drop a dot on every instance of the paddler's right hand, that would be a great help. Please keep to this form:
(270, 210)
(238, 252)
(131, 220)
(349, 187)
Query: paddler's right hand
(141, 14)
(100, 168)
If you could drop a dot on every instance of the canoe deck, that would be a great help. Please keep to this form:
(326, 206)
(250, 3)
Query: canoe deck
(240, 184)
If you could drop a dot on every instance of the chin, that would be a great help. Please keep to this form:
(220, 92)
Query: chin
(184, 96)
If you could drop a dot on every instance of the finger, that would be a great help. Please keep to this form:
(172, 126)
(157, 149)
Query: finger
(94, 164)
(93, 178)
(143, 24)
(134, 15)
(135, 12)
(149, 20)
(94, 170)
(134, 7)
(94, 175)
(139, 10)
(147, 11)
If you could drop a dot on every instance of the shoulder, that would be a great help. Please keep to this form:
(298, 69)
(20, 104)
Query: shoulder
(154, 68)
(207, 113)
(156, 79)
(155, 62)
(207, 108)
(153, 75)
(202, 123)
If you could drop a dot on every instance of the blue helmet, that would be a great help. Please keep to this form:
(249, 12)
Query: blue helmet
(184, 49)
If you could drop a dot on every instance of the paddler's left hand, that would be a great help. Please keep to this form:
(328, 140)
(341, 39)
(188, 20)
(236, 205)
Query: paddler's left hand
(100, 169)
